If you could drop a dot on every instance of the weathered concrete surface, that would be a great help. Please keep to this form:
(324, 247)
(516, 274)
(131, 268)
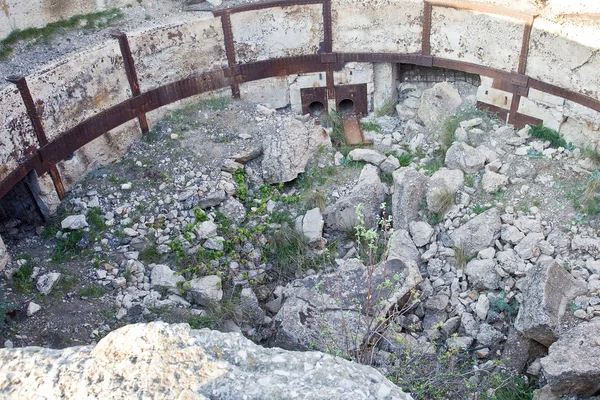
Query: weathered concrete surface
(277, 32)
(547, 291)
(566, 54)
(16, 132)
(16, 14)
(274, 92)
(70, 91)
(194, 40)
(158, 360)
(479, 38)
(377, 26)
(573, 362)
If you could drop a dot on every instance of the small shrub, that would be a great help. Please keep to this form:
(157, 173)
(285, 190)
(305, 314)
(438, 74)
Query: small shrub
(388, 109)
(200, 215)
(315, 198)
(460, 256)
(371, 126)
(22, 279)
(544, 133)
(92, 292)
(589, 199)
(67, 246)
(150, 254)
(239, 177)
(442, 201)
(405, 159)
(478, 208)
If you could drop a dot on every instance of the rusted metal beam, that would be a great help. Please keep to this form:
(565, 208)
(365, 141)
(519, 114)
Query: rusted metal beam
(525, 46)
(426, 35)
(32, 163)
(415, 59)
(111, 118)
(131, 73)
(500, 112)
(263, 5)
(327, 27)
(521, 120)
(230, 49)
(575, 97)
(38, 128)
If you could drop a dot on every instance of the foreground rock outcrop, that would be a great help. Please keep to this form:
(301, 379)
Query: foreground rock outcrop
(158, 360)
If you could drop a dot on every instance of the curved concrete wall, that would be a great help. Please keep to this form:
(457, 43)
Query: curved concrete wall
(532, 68)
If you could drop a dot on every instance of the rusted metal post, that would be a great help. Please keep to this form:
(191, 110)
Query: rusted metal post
(426, 38)
(230, 50)
(131, 73)
(38, 128)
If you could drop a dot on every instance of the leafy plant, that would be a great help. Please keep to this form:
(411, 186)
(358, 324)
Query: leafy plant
(405, 159)
(150, 254)
(478, 208)
(22, 279)
(388, 108)
(67, 246)
(239, 177)
(543, 132)
(371, 126)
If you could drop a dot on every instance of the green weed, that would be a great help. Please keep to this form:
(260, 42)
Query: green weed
(49, 32)
(92, 291)
(67, 246)
(544, 133)
(22, 281)
(405, 159)
(150, 254)
(388, 108)
(371, 126)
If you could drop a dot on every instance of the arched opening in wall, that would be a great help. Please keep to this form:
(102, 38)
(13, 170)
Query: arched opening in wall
(316, 108)
(22, 205)
(346, 106)
(415, 78)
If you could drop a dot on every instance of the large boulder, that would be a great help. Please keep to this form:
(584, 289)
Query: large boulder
(336, 311)
(409, 190)
(547, 290)
(205, 290)
(369, 192)
(287, 151)
(438, 103)
(478, 233)
(573, 362)
(312, 225)
(464, 157)
(4, 256)
(443, 183)
(402, 246)
(482, 274)
(164, 278)
(158, 360)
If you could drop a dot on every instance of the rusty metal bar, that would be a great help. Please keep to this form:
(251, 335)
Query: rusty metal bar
(38, 128)
(426, 35)
(327, 27)
(525, 46)
(500, 112)
(16, 176)
(230, 49)
(90, 129)
(131, 73)
(263, 5)
(521, 120)
(111, 118)
(514, 107)
(416, 59)
(575, 97)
